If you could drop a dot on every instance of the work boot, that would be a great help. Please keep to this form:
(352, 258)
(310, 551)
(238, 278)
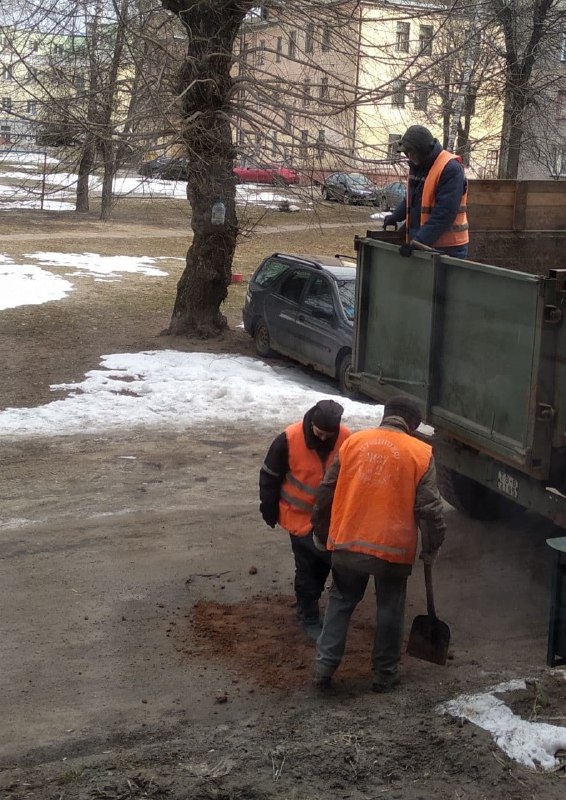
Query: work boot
(321, 682)
(385, 685)
(308, 611)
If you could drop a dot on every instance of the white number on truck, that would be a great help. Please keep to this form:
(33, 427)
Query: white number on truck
(507, 484)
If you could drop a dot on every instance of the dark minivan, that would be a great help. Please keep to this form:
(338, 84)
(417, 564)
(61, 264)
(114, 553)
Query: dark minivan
(303, 308)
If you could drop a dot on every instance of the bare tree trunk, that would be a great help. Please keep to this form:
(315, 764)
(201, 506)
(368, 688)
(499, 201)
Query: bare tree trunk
(108, 153)
(86, 165)
(207, 87)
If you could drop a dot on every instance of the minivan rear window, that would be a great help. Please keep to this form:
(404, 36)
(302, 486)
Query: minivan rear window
(269, 272)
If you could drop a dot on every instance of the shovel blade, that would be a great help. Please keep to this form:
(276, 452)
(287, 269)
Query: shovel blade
(429, 639)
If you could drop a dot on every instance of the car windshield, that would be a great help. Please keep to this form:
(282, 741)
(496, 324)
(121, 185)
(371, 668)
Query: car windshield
(347, 293)
(361, 180)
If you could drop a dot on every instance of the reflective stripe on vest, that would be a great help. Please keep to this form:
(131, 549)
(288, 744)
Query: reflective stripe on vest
(374, 501)
(306, 471)
(457, 235)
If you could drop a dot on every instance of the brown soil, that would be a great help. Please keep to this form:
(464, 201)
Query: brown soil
(143, 658)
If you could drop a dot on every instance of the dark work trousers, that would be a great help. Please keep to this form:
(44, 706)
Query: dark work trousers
(312, 567)
(347, 590)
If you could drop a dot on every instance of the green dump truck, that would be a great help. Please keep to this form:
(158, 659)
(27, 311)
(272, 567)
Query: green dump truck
(483, 348)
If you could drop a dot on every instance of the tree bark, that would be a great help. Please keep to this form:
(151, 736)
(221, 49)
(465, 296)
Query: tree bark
(86, 165)
(206, 88)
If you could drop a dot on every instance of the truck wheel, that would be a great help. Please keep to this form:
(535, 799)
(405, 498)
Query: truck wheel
(262, 340)
(473, 499)
(343, 376)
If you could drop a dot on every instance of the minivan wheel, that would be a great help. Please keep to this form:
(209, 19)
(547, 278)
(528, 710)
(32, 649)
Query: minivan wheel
(325, 193)
(343, 375)
(262, 340)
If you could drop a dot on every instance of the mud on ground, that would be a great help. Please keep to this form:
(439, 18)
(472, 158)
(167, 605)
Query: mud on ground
(149, 643)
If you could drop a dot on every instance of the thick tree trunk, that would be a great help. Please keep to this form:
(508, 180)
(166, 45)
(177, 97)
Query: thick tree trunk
(512, 135)
(206, 87)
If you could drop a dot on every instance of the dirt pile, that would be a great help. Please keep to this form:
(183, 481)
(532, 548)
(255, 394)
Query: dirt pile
(260, 640)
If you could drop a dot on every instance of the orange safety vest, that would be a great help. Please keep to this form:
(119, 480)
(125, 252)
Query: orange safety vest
(373, 506)
(306, 471)
(457, 234)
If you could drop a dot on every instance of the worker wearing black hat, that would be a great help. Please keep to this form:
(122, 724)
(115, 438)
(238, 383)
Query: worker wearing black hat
(381, 486)
(289, 477)
(434, 209)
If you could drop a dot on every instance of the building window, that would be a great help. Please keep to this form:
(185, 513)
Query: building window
(398, 94)
(402, 40)
(561, 104)
(491, 164)
(392, 143)
(261, 53)
(559, 160)
(303, 145)
(324, 89)
(8, 73)
(258, 138)
(563, 47)
(32, 107)
(274, 143)
(309, 38)
(470, 104)
(6, 104)
(306, 91)
(244, 52)
(426, 32)
(292, 44)
(5, 131)
(420, 99)
(322, 136)
(288, 125)
(279, 48)
(35, 47)
(326, 39)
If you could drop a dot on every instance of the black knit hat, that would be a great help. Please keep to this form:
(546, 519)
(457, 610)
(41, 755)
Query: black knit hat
(327, 415)
(418, 139)
(406, 407)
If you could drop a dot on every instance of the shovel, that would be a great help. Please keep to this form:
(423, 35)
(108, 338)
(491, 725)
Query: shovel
(429, 637)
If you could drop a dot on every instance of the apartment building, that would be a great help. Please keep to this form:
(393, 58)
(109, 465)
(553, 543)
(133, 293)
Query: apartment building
(543, 151)
(339, 92)
(38, 72)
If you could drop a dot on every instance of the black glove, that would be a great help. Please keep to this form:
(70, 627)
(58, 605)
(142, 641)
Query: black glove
(406, 250)
(270, 515)
(389, 221)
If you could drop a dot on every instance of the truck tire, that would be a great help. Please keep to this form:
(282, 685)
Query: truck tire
(343, 378)
(473, 499)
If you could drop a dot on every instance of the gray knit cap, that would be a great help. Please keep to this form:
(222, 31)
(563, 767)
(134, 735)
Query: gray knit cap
(403, 406)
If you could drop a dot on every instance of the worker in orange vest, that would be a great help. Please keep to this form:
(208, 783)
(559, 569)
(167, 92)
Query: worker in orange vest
(379, 488)
(288, 480)
(435, 207)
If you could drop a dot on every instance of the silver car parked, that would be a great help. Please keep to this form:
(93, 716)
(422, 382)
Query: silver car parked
(303, 308)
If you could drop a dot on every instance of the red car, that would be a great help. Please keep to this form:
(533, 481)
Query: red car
(267, 173)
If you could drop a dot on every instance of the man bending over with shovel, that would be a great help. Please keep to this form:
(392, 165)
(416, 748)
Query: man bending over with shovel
(380, 487)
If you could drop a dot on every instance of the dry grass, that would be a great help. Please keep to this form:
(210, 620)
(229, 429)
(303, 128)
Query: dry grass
(161, 229)
(59, 341)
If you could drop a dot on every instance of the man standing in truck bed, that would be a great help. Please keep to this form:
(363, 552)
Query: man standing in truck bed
(437, 190)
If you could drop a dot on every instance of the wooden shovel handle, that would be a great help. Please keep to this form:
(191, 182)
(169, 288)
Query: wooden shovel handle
(429, 591)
